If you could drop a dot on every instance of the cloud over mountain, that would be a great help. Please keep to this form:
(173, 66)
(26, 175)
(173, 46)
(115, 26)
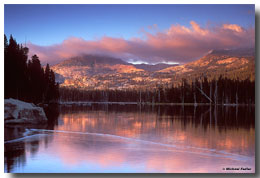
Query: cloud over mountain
(176, 44)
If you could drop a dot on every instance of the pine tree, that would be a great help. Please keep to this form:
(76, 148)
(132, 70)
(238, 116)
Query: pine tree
(26, 80)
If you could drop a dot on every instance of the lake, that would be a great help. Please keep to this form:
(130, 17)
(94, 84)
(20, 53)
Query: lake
(115, 138)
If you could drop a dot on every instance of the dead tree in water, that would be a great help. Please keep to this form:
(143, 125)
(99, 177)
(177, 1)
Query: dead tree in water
(216, 92)
(203, 93)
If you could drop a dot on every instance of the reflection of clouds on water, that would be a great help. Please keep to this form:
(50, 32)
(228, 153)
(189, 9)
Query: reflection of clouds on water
(175, 127)
(117, 151)
(122, 138)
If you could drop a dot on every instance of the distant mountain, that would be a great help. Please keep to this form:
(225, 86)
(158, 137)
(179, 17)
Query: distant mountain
(101, 72)
(236, 63)
(155, 67)
(239, 52)
(90, 60)
(82, 71)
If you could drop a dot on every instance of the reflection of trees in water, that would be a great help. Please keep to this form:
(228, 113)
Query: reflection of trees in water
(33, 147)
(222, 117)
(221, 128)
(14, 155)
(15, 152)
(52, 113)
(219, 118)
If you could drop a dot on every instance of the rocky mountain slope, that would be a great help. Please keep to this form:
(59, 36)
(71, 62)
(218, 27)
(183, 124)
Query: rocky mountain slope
(101, 72)
(239, 63)
(89, 65)
(155, 67)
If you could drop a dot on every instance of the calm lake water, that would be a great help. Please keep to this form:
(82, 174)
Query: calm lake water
(130, 138)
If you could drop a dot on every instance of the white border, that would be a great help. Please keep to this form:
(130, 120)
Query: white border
(256, 2)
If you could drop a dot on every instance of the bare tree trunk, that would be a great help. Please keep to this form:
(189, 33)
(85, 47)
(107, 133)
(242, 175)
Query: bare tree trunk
(203, 93)
(182, 99)
(194, 93)
(159, 96)
(210, 91)
(195, 101)
(216, 92)
(236, 98)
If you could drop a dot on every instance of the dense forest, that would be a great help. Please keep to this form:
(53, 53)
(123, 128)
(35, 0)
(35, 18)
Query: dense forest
(26, 79)
(217, 91)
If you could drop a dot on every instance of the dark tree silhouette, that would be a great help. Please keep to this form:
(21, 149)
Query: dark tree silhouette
(25, 79)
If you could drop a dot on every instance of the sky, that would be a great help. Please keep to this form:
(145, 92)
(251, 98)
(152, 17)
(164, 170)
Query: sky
(135, 33)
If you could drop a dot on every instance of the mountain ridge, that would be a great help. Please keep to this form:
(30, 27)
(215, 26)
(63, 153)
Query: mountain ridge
(88, 60)
(98, 73)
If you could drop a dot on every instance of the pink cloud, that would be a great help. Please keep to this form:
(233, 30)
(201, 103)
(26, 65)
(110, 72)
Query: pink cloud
(198, 29)
(233, 27)
(177, 44)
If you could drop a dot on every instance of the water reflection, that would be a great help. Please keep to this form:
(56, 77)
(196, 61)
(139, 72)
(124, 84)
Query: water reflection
(132, 138)
(15, 152)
